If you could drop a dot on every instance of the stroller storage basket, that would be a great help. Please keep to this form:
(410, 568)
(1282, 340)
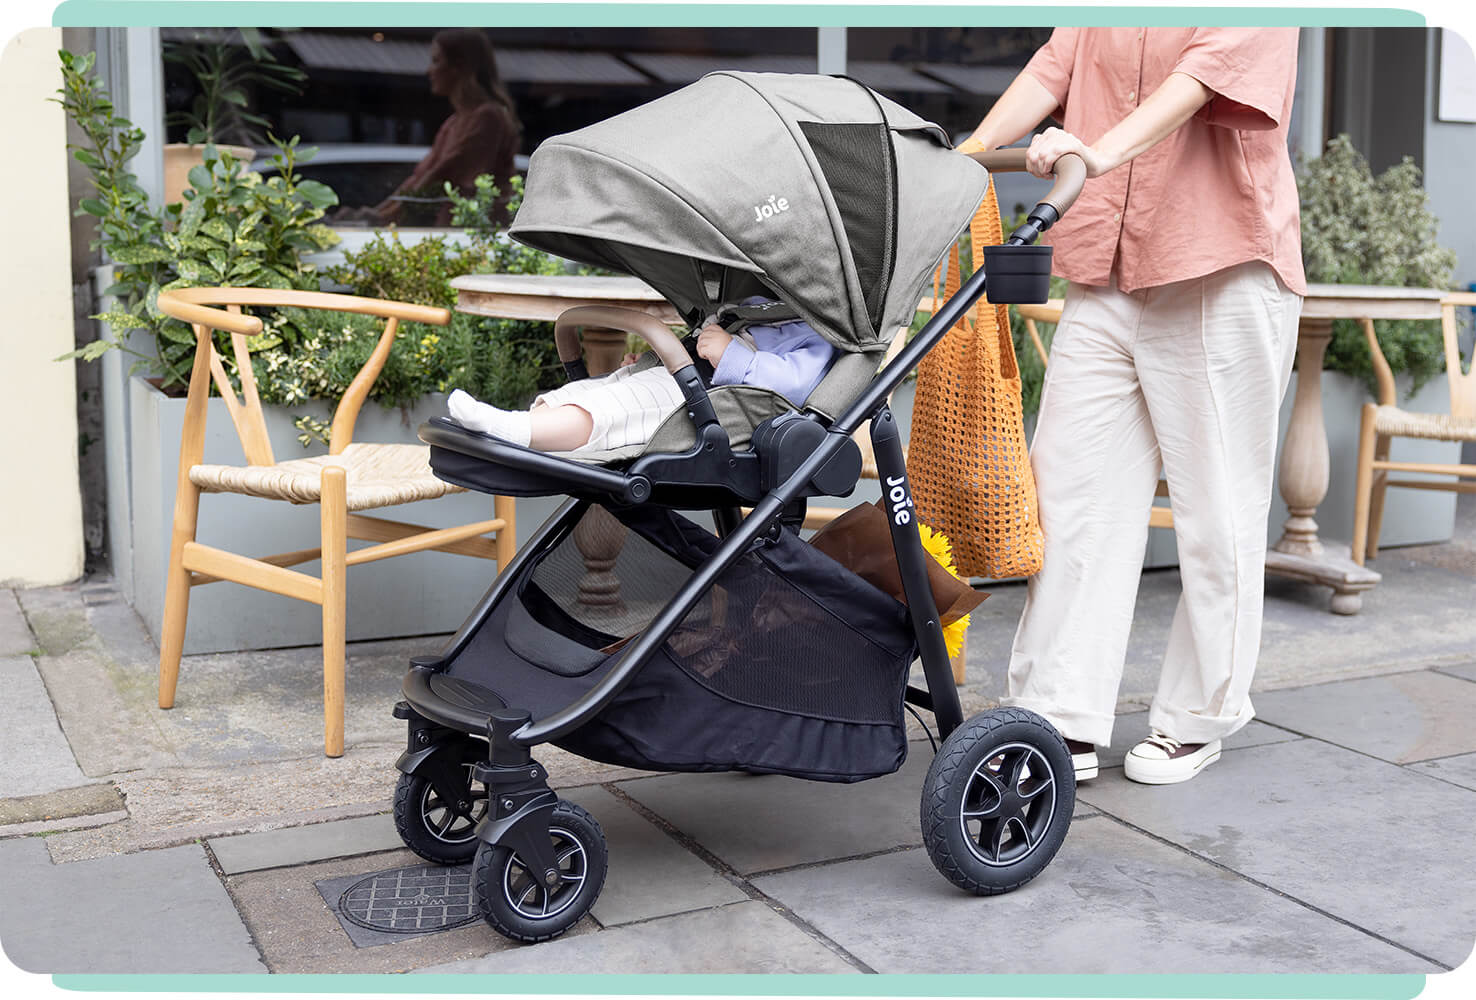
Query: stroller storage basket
(790, 664)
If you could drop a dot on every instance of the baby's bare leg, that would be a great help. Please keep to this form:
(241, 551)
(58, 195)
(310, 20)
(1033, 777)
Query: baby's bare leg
(560, 428)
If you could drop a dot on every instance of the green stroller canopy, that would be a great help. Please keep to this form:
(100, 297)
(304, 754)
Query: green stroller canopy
(811, 189)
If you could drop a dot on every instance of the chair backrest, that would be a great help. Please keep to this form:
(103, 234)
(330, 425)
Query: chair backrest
(196, 307)
(1462, 384)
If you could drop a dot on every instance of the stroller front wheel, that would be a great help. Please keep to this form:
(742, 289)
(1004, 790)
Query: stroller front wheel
(997, 801)
(441, 832)
(522, 906)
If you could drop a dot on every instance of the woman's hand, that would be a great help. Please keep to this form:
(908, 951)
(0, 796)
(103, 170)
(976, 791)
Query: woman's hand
(1050, 145)
(629, 360)
(712, 342)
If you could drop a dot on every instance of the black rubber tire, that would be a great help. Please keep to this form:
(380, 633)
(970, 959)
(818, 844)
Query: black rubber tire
(953, 847)
(458, 845)
(491, 878)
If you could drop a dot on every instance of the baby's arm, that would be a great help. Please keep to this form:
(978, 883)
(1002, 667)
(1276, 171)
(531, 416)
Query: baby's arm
(789, 374)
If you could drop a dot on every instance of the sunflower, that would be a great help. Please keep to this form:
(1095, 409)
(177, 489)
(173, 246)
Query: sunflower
(937, 545)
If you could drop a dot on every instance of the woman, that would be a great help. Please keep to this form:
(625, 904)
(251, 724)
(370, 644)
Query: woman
(482, 135)
(1174, 350)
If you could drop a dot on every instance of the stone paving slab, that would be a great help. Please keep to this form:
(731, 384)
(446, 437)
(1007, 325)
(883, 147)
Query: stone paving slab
(1381, 846)
(1399, 718)
(154, 912)
(763, 822)
(298, 845)
(298, 932)
(63, 824)
(83, 800)
(1112, 901)
(1132, 727)
(742, 937)
(15, 634)
(37, 757)
(1465, 671)
(650, 874)
(1459, 770)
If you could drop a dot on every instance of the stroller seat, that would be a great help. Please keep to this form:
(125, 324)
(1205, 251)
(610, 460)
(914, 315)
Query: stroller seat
(753, 438)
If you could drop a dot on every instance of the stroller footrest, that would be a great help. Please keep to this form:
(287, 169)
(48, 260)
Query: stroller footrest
(503, 467)
(450, 701)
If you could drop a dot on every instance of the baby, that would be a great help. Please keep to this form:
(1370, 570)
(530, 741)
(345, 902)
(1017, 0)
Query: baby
(628, 405)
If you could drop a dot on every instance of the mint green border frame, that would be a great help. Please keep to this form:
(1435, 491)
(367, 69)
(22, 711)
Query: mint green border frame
(303, 13)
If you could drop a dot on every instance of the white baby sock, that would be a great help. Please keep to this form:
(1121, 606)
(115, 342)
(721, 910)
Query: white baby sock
(510, 425)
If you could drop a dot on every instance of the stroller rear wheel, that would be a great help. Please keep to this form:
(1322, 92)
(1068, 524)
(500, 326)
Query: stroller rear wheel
(521, 905)
(997, 801)
(439, 831)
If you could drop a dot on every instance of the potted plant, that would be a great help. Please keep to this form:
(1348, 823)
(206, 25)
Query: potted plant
(1367, 229)
(226, 66)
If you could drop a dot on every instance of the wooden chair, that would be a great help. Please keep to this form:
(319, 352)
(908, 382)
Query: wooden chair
(350, 478)
(1050, 312)
(1383, 421)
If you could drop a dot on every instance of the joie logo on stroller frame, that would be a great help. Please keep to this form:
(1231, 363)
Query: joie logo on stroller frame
(766, 210)
(901, 500)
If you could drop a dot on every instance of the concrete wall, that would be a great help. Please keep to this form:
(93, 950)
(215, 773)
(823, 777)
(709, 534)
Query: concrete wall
(41, 506)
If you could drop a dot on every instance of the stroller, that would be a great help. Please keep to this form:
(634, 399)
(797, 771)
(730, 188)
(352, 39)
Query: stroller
(629, 633)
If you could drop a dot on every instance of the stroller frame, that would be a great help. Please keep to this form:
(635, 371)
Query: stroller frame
(445, 749)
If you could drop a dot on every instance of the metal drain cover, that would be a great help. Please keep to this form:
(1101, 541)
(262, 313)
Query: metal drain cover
(416, 900)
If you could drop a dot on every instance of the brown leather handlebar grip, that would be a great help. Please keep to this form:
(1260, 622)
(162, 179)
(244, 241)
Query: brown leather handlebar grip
(656, 333)
(1070, 171)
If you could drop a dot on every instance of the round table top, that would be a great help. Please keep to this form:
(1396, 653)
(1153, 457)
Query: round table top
(559, 286)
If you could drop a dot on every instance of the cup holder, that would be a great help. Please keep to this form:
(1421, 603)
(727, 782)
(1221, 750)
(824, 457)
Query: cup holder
(1017, 275)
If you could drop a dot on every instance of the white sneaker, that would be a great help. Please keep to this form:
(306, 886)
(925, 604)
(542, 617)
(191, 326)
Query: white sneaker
(1083, 759)
(1163, 760)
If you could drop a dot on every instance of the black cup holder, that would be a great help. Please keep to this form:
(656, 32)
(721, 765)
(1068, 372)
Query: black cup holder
(1017, 275)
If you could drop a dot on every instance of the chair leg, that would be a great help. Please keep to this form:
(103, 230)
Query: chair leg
(506, 508)
(177, 591)
(1364, 483)
(334, 507)
(1376, 501)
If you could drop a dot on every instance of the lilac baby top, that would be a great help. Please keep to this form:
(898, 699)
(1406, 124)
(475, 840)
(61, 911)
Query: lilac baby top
(789, 359)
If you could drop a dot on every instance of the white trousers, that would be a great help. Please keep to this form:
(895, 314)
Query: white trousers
(1188, 377)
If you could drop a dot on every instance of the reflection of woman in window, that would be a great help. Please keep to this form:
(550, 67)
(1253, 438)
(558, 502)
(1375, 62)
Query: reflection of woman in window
(481, 136)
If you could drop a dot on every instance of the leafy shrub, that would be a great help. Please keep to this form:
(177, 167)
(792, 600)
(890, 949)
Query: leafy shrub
(1367, 230)
(232, 228)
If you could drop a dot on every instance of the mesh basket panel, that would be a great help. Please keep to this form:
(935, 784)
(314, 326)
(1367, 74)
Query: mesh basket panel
(760, 640)
(607, 578)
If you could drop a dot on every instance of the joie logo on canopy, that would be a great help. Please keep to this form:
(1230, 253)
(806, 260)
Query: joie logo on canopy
(768, 209)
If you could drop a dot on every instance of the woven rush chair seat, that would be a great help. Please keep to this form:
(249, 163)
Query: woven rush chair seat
(379, 475)
(1436, 426)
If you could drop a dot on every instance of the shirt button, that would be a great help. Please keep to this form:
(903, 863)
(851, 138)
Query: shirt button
(1116, 216)
(1132, 95)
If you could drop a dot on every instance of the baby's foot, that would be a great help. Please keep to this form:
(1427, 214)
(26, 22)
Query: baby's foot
(510, 425)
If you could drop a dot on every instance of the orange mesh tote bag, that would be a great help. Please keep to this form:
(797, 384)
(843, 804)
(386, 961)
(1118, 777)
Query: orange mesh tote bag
(967, 458)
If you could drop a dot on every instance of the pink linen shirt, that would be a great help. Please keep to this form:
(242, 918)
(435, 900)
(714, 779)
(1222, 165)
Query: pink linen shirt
(1218, 191)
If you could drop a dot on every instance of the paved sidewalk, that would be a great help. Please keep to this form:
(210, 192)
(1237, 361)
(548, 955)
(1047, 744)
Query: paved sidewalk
(1333, 836)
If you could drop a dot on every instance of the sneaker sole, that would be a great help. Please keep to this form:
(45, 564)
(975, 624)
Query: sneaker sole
(1085, 770)
(1168, 776)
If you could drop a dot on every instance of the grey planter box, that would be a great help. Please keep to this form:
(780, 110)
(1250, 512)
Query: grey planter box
(428, 592)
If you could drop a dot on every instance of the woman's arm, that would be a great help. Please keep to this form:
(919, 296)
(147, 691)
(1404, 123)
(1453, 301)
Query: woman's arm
(1023, 105)
(1171, 105)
